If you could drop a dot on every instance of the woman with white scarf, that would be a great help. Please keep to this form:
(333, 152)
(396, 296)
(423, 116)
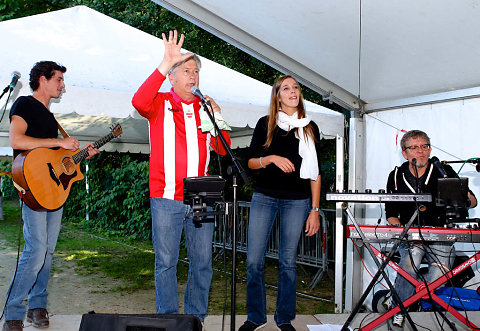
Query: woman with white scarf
(284, 157)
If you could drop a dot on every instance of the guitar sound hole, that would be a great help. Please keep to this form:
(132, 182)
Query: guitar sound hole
(68, 165)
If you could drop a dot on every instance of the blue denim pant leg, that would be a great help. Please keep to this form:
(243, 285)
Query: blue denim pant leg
(408, 253)
(167, 224)
(169, 218)
(440, 257)
(293, 214)
(263, 211)
(411, 256)
(40, 232)
(198, 241)
(262, 215)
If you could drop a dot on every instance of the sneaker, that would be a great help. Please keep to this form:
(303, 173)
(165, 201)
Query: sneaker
(38, 317)
(13, 326)
(250, 326)
(286, 327)
(396, 323)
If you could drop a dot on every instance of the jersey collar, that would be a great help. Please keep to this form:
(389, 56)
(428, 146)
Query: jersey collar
(178, 99)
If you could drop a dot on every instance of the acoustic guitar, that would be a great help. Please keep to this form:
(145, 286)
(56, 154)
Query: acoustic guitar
(44, 176)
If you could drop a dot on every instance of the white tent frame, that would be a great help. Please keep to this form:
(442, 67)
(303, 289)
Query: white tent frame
(408, 53)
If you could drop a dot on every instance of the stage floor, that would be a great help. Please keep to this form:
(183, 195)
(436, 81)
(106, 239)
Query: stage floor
(214, 323)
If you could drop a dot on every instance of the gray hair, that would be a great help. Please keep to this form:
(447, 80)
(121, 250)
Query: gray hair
(178, 64)
(413, 134)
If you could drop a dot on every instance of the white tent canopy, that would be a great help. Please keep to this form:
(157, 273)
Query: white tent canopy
(108, 60)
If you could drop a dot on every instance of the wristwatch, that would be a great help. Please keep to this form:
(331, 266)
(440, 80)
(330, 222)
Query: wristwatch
(316, 208)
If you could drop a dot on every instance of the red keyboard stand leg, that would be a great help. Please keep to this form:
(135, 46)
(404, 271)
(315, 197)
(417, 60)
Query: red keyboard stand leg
(423, 291)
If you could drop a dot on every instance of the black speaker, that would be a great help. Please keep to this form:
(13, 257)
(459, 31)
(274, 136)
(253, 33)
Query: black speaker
(139, 322)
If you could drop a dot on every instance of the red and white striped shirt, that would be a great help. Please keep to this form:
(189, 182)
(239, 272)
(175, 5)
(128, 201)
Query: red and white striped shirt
(178, 148)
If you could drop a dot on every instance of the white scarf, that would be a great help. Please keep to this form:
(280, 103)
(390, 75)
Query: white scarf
(306, 148)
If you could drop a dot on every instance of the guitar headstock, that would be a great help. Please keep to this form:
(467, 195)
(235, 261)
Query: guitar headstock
(116, 130)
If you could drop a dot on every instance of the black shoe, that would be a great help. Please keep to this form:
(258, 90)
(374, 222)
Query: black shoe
(13, 326)
(250, 326)
(38, 317)
(286, 327)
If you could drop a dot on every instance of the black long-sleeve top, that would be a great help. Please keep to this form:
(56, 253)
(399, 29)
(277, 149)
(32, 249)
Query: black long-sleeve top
(271, 180)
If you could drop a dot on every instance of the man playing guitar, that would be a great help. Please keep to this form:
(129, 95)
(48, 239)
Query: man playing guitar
(32, 125)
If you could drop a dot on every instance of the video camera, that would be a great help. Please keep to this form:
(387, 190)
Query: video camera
(202, 192)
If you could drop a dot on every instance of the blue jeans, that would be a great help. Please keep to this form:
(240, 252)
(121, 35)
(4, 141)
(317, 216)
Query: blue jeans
(411, 256)
(293, 214)
(169, 218)
(40, 232)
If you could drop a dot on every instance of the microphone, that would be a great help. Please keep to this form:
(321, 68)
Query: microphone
(438, 165)
(15, 78)
(196, 91)
(414, 163)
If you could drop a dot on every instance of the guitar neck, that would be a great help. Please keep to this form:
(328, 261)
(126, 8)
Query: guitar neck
(83, 154)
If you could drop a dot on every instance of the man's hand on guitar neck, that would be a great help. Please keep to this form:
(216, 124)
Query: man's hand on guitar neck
(72, 144)
(91, 150)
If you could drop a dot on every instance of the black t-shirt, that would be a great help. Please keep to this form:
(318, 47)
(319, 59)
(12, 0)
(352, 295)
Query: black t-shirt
(271, 180)
(40, 121)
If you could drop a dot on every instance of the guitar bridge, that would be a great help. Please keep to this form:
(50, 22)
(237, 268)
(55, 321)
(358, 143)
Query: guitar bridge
(53, 175)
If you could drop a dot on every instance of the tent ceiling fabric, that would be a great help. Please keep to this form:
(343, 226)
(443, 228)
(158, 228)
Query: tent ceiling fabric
(108, 60)
(409, 48)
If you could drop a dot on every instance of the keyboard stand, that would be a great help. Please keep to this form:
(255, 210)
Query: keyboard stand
(381, 271)
(423, 292)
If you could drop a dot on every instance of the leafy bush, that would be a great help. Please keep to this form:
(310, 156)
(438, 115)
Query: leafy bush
(8, 190)
(118, 200)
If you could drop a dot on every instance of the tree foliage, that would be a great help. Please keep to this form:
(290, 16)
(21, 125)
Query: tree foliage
(117, 200)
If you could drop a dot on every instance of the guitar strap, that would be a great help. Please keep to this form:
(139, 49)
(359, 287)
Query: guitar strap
(62, 131)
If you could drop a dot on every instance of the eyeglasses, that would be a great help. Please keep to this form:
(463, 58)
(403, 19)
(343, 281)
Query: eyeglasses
(417, 148)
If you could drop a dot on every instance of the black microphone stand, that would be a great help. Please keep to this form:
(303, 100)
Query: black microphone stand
(472, 160)
(5, 90)
(237, 169)
(9, 89)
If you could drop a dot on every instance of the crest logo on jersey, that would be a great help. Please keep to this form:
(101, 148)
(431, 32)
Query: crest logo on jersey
(189, 113)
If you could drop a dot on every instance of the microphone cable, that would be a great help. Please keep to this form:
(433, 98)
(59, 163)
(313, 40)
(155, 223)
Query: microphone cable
(20, 223)
(409, 247)
(434, 257)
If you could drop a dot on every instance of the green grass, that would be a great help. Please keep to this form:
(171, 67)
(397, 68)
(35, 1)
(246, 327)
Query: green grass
(10, 224)
(132, 263)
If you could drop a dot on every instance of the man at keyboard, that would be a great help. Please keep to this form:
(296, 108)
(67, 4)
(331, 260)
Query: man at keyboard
(417, 175)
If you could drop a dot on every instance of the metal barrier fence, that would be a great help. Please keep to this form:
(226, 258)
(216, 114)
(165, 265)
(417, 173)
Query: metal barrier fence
(312, 251)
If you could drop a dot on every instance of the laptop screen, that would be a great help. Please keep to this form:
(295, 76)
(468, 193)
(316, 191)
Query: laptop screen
(453, 191)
